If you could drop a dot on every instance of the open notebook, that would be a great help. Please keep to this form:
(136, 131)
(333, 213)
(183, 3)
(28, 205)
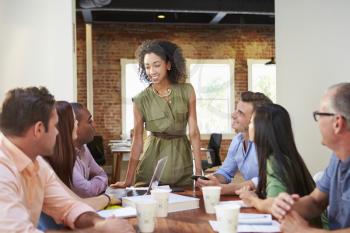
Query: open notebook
(119, 193)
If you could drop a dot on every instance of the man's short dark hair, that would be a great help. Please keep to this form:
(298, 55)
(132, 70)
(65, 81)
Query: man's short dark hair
(23, 107)
(256, 98)
(77, 108)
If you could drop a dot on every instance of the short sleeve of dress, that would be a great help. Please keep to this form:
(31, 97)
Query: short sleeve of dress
(188, 89)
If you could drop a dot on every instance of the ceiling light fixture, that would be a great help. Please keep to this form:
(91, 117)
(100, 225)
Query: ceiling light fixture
(161, 16)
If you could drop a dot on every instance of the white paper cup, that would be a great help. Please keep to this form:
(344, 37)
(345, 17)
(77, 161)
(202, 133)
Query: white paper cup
(227, 217)
(211, 196)
(146, 212)
(161, 196)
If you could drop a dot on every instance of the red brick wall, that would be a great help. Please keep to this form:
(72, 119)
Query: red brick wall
(81, 62)
(111, 42)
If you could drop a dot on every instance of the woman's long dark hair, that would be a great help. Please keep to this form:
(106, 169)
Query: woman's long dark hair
(274, 140)
(63, 158)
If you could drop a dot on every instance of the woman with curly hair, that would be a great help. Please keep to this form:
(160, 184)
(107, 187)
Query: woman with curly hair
(164, 108)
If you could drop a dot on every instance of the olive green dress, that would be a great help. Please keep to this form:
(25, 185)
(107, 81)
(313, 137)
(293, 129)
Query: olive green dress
(166, 117)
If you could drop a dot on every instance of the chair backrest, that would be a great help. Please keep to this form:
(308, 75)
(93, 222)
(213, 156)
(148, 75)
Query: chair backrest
(97, 150)
(214, 148)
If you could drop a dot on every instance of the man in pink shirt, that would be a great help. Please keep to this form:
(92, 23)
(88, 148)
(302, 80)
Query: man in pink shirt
(28, 185)
(89, 179)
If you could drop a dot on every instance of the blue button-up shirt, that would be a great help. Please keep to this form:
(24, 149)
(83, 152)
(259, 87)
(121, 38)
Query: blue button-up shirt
(237, 158)
(336, 183)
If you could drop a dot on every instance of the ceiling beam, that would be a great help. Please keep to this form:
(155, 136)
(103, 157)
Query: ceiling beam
(258, 7)
(183, 11)
(217, 18)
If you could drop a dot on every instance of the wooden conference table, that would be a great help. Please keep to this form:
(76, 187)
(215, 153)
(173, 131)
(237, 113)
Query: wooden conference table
(189, 221)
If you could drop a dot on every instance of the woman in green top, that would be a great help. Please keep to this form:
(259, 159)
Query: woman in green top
(281, 168)
(164, 108)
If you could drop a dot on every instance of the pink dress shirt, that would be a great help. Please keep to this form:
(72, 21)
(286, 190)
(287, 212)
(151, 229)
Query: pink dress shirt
(89, 179)
(27, 188)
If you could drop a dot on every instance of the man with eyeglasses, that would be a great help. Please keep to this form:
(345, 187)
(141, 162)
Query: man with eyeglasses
(333, 189)
(241, 154)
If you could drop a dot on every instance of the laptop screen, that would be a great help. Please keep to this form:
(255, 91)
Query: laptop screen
(137, 192)
(156, 175)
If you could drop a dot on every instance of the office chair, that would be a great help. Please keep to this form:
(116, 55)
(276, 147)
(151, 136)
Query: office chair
(214, 151)
(97, 150)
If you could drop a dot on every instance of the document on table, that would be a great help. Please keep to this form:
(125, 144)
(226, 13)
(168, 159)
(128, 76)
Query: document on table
(124, 212)
(254, 219)
(253, 223)
(274, 227)
(238, 202)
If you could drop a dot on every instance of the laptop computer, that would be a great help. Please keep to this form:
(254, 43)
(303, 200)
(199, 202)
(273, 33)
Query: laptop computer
(119, 193)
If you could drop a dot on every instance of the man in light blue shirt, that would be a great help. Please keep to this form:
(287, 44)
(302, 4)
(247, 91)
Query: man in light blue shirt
(333, 189)
(240, 159)
(241, 155)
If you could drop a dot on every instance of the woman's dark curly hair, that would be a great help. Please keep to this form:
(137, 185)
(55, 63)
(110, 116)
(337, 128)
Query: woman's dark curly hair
(167, 51)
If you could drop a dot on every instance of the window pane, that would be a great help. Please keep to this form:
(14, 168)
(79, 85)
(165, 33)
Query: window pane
(133, 86)
(212, 84)
(264, 80)
(210, 80)
(213, 116)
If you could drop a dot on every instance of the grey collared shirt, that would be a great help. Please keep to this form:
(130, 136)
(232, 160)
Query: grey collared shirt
(336, 183)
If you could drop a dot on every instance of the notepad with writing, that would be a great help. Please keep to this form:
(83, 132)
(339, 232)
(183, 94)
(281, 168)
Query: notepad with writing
(254, 219)
(253, 223)
(274, 227)
(176, 202)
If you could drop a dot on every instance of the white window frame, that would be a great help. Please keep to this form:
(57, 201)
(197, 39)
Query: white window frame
(231, 63)
(123, 63)
(250, 63)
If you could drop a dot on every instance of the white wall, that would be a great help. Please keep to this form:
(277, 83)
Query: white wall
(37, 46)
(312, 53)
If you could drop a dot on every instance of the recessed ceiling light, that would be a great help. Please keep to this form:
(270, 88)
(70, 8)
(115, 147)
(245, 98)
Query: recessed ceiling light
(161, 16)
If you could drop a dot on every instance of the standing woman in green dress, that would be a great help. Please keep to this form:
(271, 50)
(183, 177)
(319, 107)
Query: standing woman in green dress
(163, 108)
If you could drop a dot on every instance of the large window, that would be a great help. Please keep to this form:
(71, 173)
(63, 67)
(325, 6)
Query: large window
(213, 81)
(131, 86)
(262, 78)
(213, 84)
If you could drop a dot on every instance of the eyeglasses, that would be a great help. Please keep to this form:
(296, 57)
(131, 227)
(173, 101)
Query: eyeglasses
(318, 114)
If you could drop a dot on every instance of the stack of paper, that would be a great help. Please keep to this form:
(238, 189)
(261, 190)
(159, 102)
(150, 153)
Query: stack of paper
(253, 223)
(120, 212)
(176, 202)
(274, 227)
(238, 202)
(257, 219)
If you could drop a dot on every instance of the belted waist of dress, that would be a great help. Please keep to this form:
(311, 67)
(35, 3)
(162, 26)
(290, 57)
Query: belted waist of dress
(167, 136)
